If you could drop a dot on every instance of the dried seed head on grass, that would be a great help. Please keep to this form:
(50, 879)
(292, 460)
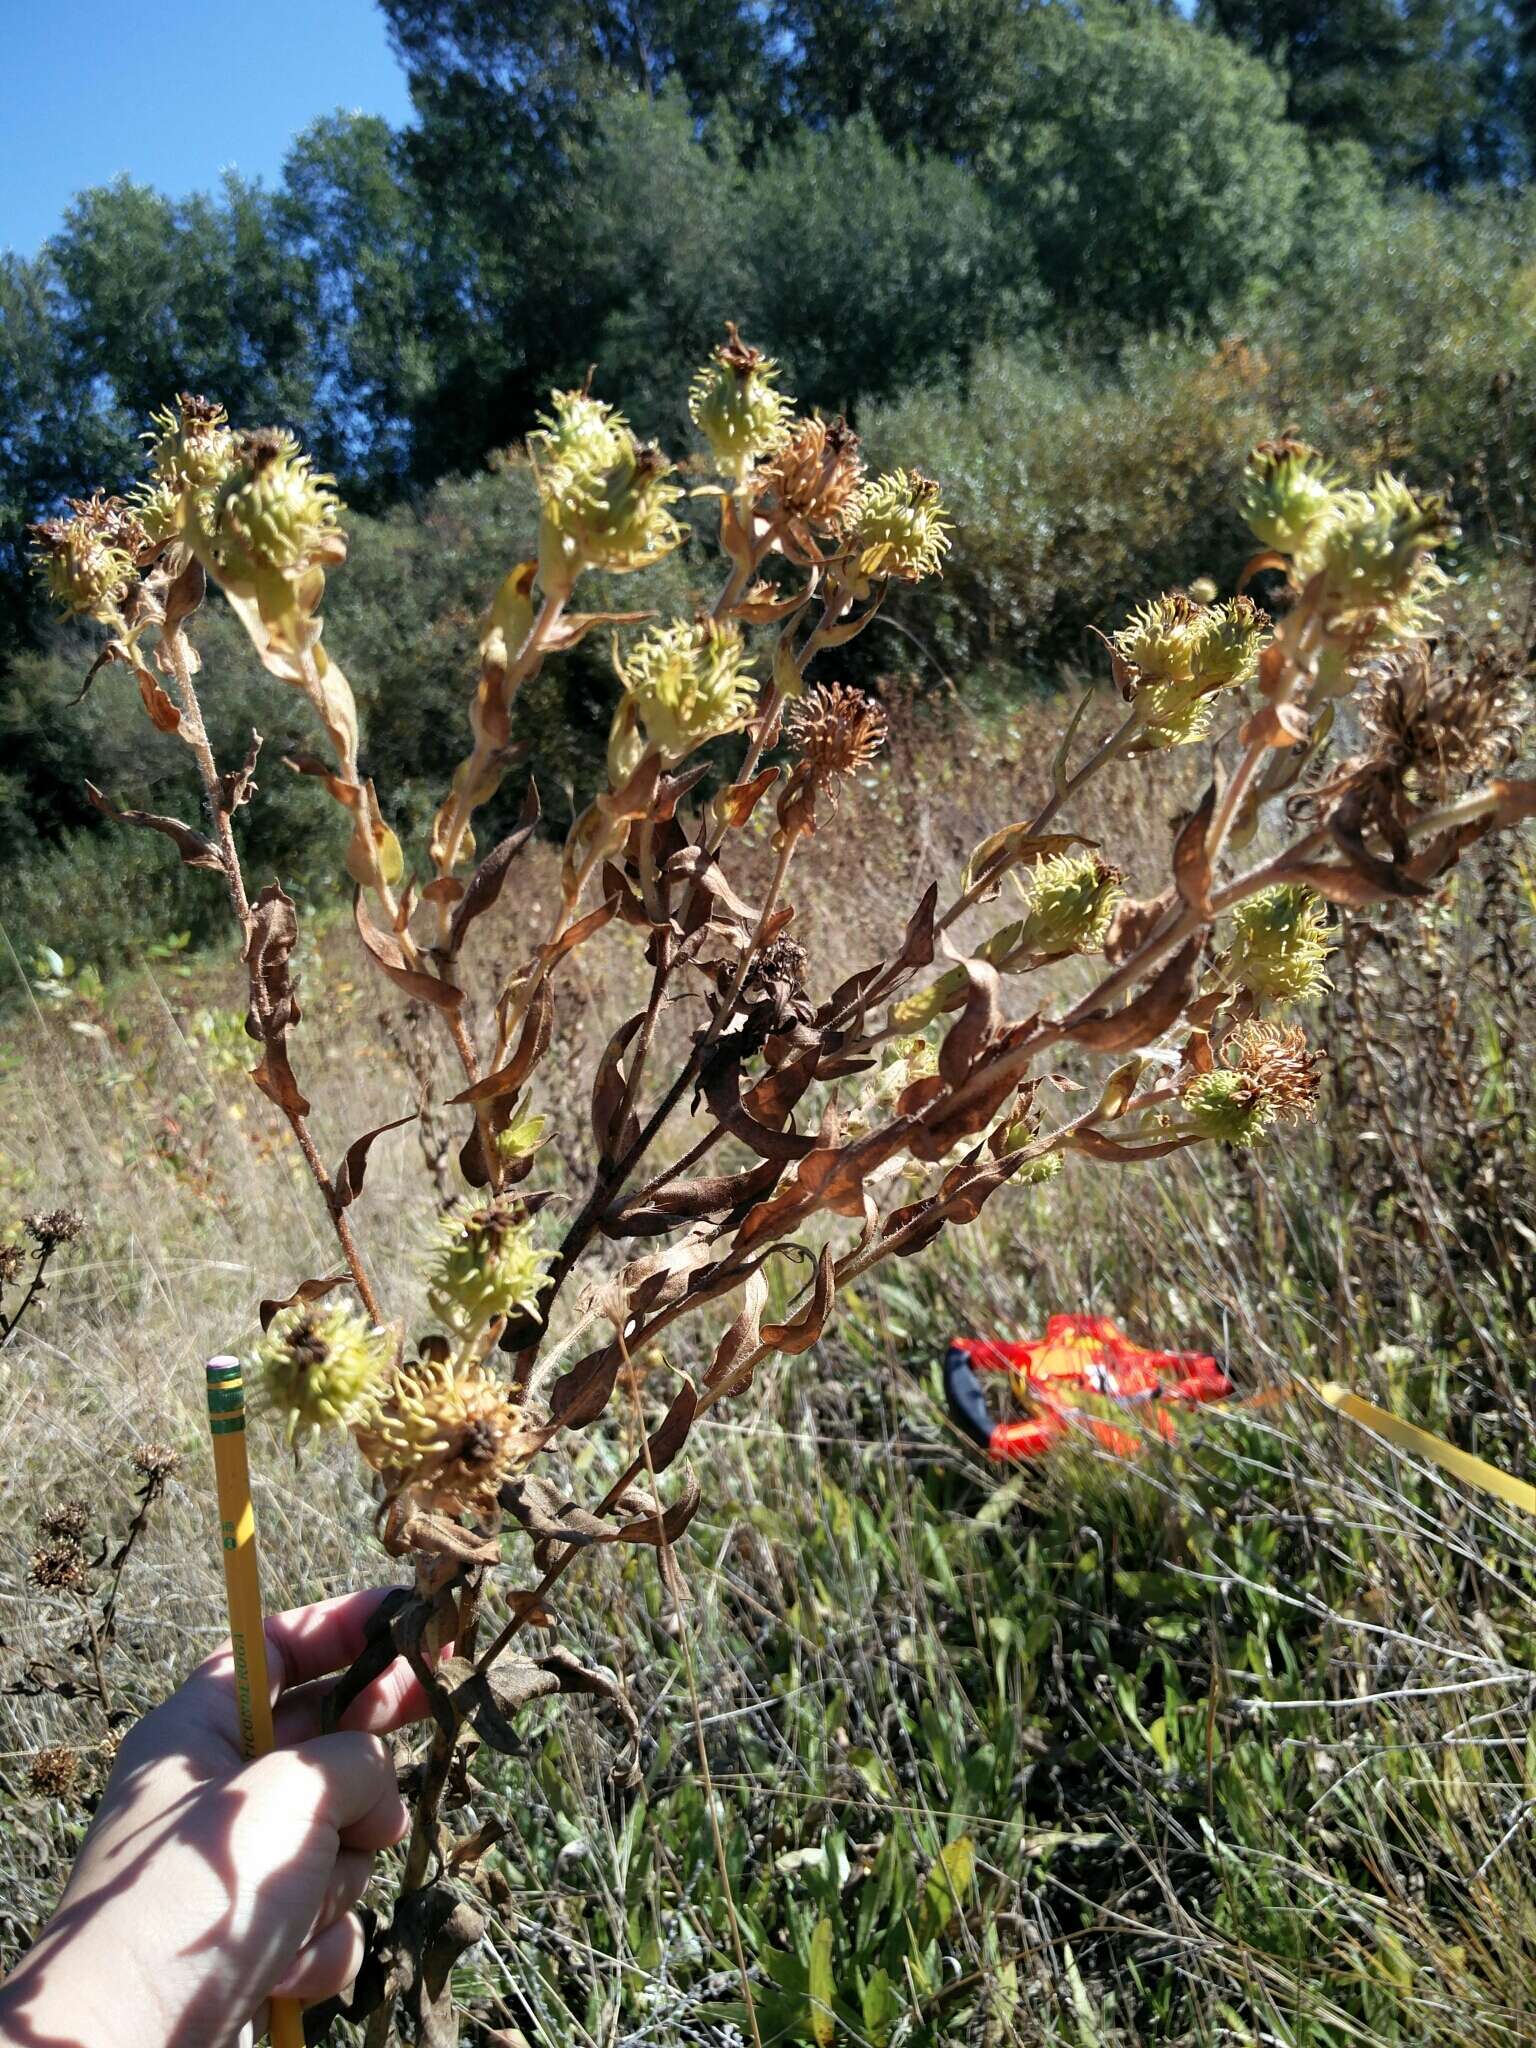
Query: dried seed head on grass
(58, 1567)
(48, 1229)
(65, 1521)
(156, 1460)
(51, 1773)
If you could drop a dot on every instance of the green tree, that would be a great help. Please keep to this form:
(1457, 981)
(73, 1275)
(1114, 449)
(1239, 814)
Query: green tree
(876, 267)
(350, 212)
(157, 295)
(1432, 87)
(937, 74)
(1152, 166)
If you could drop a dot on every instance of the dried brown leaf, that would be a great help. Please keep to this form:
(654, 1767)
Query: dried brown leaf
(1148, 1014)
(485, 884)
(195, 850)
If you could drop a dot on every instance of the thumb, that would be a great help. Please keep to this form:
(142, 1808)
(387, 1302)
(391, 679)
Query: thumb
(343, 1782)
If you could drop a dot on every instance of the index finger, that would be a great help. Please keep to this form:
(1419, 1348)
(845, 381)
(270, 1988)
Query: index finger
(303, 1644)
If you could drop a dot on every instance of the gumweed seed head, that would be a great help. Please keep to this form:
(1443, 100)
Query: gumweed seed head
(811, 478)
(58, 1567)
(51, 1773)
(191, 445)
(1373, 557)
(156, 1461)
(895, 525)
(450, 1434)
(273, 514)
(1158, 641)
(65, 1521)
(49, 1228)
(1279, 943)
(734, 404)
(836, 731)
(318, 1366)
(1224, 1106)
(484, 1263)
(1228, 639)
(1288, 494)
(605, 497)
(1268, 1076)
(688, 683)
(1071, 900)
(88, 560)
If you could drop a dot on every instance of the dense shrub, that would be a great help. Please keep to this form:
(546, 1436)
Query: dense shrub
(1411, 334)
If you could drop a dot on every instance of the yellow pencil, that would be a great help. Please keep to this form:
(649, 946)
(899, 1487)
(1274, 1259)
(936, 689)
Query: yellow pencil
(237, 1519)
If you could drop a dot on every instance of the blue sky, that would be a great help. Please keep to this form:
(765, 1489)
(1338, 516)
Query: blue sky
(91, 88)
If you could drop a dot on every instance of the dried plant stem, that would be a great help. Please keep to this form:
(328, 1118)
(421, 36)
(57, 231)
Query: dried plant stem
(1108, 750)
(10, 1324)
(195, 733)
(524, 664)
(685, 1643)
(322, 1179)
(93, 1640)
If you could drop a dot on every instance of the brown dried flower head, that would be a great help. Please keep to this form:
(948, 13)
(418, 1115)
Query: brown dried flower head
(156, 1460)
(65, 1521)
(836, 731)
(808, 483)
(1439, 721)
(1278, 1062)
(52, 1773)
(58, 1567)
(12, 1259)
(53, 1227)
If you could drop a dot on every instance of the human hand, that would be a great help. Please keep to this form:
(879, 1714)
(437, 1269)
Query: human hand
(207, 1884)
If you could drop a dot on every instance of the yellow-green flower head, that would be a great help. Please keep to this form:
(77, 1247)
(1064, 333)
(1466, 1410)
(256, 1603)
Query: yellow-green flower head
(1071, 900)
(1288, 493)
(895, 525)
(605, 497)
(1268, 1075)
(88, 559)
(319, 1366)
(1373, 555)
(1159, 639)
(484, 1264)
(735, 406)
(450, 1433)
(688, 683)
(273, 515)
(1228, 639)
(1226, 1106)
(1173, 715)
(1034, 1173)
(579, 435)
(1279, 943)
(191, 446)
(158, 509)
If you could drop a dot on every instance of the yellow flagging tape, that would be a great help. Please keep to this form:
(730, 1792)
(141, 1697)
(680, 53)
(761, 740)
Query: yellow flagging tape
(1519, 1493)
